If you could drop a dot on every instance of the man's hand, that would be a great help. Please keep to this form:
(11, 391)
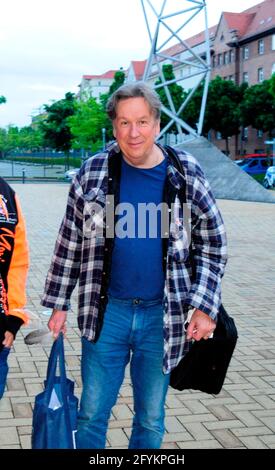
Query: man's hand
(8, 340)
(200, 326)
(57, 322)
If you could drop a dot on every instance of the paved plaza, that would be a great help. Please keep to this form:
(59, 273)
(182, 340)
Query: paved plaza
(241, 416)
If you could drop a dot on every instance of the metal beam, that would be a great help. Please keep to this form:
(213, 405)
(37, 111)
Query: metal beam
(158, 56)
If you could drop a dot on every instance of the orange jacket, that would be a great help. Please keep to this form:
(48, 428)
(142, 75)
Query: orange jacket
(14, 258)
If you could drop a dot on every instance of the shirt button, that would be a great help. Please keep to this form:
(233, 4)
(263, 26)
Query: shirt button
(136, 301)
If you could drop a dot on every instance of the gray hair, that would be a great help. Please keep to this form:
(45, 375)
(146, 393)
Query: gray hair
(134, 90)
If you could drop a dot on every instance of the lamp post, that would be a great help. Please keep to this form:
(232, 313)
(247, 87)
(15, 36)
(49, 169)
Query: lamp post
(103, 138)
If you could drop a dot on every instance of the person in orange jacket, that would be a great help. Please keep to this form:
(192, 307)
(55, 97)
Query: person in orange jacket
(14, 263)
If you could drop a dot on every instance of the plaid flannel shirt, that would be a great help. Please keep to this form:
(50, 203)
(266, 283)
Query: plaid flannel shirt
(78, 257)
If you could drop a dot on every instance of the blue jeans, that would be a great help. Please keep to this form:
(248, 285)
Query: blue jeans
(4, 368)
(132, 331)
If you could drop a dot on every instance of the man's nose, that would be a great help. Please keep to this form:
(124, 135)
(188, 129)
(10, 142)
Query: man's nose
(134, 130)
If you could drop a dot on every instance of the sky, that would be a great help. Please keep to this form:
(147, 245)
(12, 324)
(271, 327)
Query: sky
(46, 47)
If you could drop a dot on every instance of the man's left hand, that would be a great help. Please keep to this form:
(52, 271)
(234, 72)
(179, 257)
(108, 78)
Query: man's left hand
(200, 326)
(8, 340)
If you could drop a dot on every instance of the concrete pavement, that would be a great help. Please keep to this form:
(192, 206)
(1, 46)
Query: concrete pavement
(241, 416)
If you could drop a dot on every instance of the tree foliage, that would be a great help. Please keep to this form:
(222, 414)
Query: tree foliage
(2, 99)
(86, 124)
(258, 106)
(55, 127)
(222, 112)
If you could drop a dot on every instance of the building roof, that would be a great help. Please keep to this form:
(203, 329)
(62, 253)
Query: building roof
(238, 21)
(139, 67)
(108, 74)
(253, 21)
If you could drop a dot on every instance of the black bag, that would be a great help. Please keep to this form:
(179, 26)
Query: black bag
(205, 365)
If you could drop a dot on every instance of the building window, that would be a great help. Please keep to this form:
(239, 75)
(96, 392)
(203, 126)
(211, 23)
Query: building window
(245, 133)
(245, 77)
(261, 46)
(245, 53)
(232, 55)
(273, 69)
(260, 133)
(273, 42)
(226, 58)
(214, 61)
(218, 135)
(219, 59)
(231, 77)
(260, 75)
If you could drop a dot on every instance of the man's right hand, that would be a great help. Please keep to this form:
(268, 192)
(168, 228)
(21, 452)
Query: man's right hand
(57, 322)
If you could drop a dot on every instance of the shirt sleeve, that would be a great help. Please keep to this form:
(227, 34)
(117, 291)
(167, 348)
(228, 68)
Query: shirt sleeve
(64, 270)
(209, 249)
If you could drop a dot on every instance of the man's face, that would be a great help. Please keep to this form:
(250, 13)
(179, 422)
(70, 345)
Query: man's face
(135, 129)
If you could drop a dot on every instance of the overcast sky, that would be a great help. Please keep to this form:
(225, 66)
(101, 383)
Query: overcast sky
(46, 47)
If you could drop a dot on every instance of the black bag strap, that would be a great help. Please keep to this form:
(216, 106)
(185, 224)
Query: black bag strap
(173, 156)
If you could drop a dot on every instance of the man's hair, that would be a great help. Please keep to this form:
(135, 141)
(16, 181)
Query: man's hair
(134, 90)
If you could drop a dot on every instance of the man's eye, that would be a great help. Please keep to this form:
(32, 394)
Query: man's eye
(123, 123)
(143, 122)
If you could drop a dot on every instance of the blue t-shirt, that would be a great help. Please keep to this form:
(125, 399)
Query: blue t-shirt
(136, 270)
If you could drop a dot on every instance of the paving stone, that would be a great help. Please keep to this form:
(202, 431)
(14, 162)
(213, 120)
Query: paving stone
(211, 444)
(198, 431)
(122, 412)
(221, 412)
(225, 424)
(117, 437)
(253, 442)
(172, 424)
(22, 410)
(227, 439)
(15, 384)
(251, 431)
(8, 435)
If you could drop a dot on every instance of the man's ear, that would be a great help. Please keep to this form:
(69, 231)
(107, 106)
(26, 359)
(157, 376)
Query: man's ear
(157, 131)
(114, 132)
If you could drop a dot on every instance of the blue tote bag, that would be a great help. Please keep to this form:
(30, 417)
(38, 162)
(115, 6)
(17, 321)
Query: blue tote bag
(55, 409)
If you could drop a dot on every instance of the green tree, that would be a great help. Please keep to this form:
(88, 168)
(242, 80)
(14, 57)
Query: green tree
(86, 125)
(2, 99)
(258, 107)
(272, 85)
(30, 138)
(55, 127)
(223, 108)
(9, 140)
(191, 112)
(176, 92)
(222, 112)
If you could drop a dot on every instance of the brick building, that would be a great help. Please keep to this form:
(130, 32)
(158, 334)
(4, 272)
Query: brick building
(243, 50)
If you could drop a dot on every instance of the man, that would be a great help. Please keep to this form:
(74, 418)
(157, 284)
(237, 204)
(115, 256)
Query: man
(14, 262)
(134, 290)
